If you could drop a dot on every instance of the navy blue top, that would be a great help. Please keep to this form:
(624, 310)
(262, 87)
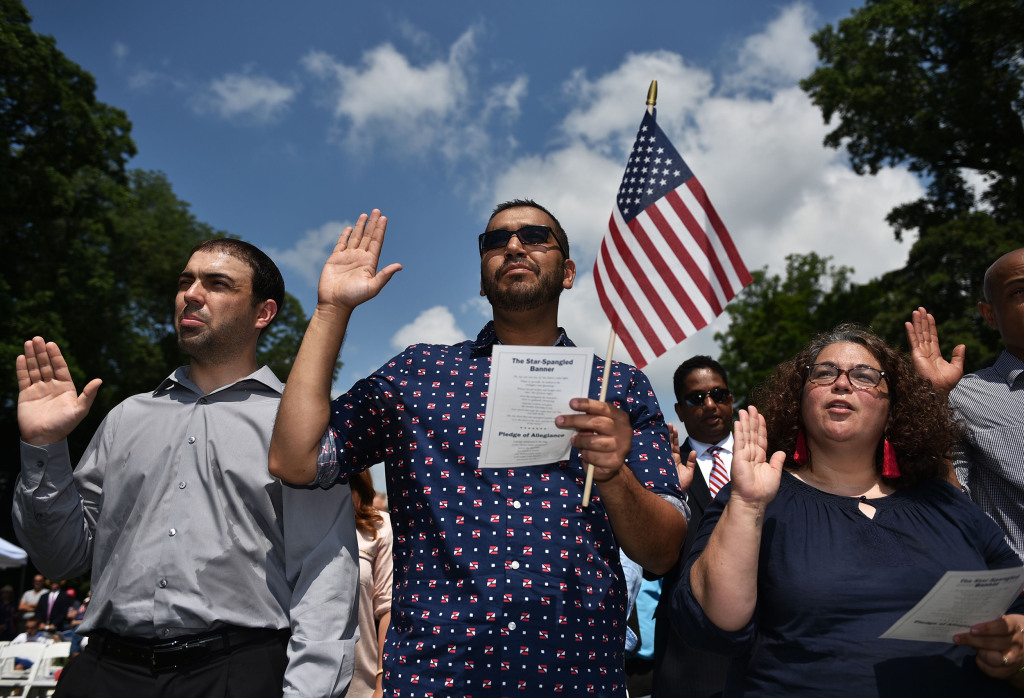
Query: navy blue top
(831, 580)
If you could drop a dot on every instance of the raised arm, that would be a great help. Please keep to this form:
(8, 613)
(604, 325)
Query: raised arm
(349, 278)
(724, 578)
(49, 407)
(649, 529)
(924, 351)
(54, 514)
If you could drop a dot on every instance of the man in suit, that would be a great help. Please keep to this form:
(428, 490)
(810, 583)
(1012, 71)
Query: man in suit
(52, 609)
(704, 404)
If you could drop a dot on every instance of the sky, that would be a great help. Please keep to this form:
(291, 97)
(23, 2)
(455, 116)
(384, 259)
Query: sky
(282, 122)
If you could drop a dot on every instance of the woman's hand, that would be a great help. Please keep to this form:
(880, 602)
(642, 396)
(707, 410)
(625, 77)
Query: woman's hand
(1000, 645)
(755, 478)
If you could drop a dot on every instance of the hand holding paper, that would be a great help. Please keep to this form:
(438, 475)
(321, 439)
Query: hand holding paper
(604, 435)
(1000, 645)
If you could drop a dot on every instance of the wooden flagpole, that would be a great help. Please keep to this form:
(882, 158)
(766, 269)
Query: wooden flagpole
(652, 100)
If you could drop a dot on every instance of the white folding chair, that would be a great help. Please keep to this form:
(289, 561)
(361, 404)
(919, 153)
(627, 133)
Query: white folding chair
(11, 678)
(44, 679)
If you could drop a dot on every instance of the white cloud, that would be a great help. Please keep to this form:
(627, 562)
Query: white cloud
(120, 51)
(432, 326)
(257, 97)
(609, 108)
(781, 55)
(415, 104)
(505, 99)
(306, 258)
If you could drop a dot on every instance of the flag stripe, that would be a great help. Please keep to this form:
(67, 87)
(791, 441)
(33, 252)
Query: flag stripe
(630, 306)
(609, 300)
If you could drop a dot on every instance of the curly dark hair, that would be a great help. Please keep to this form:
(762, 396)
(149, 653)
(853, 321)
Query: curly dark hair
(919, 428)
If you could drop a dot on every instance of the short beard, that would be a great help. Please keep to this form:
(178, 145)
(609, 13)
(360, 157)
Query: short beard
(522, 295)
(210, 347)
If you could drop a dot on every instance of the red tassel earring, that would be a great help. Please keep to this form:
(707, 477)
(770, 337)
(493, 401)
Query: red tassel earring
(890, 468)
(800, 452)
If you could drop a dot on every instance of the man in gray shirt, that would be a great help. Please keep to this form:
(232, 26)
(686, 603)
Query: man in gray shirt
(989, 463)
(203, 565)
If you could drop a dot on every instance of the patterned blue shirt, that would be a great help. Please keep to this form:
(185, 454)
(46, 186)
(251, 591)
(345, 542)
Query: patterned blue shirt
(504, 584)
(990, 460)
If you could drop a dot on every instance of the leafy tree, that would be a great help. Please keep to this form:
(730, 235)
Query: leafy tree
(773, 317)
(936, 85)
(945, 272)
(91, 250)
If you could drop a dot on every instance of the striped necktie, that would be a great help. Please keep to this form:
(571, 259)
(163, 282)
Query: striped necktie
(719, 475)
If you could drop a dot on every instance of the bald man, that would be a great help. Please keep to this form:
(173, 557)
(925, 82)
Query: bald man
(990, 461)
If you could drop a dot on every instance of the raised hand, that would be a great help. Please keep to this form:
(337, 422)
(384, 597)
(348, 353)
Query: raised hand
(683, 468)
(924, 351)
(350, 276)
(49, 407)
(755, 478)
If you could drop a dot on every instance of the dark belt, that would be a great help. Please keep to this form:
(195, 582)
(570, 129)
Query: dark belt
(180, 652)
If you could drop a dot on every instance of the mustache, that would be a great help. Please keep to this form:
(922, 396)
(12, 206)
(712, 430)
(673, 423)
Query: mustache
(517, 261)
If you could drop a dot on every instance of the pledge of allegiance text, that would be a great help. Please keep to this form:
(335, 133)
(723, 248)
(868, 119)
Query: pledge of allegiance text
(529, 387)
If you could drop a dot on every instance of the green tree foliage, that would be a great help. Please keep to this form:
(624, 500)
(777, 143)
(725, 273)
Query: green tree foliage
(91, 250)
(945, 273)
(773, 317)
(933, 84)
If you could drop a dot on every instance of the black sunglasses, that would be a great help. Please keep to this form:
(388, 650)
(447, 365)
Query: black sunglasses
(535, 235)
(697, 397)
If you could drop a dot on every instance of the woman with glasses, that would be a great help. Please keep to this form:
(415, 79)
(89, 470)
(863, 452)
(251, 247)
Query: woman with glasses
(814, 551)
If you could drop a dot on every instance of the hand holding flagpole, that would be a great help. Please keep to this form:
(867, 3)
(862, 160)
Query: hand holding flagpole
(652, 100)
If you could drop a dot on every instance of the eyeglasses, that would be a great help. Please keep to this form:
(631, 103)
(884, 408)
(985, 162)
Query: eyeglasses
(697, 397)
(528, 235)
(860, 377)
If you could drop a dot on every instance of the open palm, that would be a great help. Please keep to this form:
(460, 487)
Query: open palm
(755, 478)
(350, 276)
(49, 406)
(923, 337)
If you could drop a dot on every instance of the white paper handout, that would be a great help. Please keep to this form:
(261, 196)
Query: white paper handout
(529, 387)
(958, 601)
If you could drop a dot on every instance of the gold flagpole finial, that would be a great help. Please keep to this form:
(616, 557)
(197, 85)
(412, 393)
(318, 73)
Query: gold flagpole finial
(652, 93)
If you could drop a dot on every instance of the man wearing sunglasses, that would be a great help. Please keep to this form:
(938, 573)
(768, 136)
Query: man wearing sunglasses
(704, 404)
(504, 582)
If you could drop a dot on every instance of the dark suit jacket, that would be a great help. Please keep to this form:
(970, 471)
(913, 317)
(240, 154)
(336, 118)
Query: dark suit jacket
(680, 670)
(58, 616)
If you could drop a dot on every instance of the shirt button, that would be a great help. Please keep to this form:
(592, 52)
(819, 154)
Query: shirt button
(516, 505)
(515, 564)
(165, 632)
(181, 485)
(191, 439)
(39, 464)
(162, 584)
(512, 625)
(202, 401)
(172, 532)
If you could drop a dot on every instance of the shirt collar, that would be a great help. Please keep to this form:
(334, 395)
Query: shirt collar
(1009, 367)
(262, 375)
(701, 448)
(488, 338)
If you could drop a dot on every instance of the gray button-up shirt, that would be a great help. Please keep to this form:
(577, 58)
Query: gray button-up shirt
(184, 528)
(990, 460)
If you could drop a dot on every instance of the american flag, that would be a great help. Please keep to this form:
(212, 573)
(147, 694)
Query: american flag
(667, 266)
